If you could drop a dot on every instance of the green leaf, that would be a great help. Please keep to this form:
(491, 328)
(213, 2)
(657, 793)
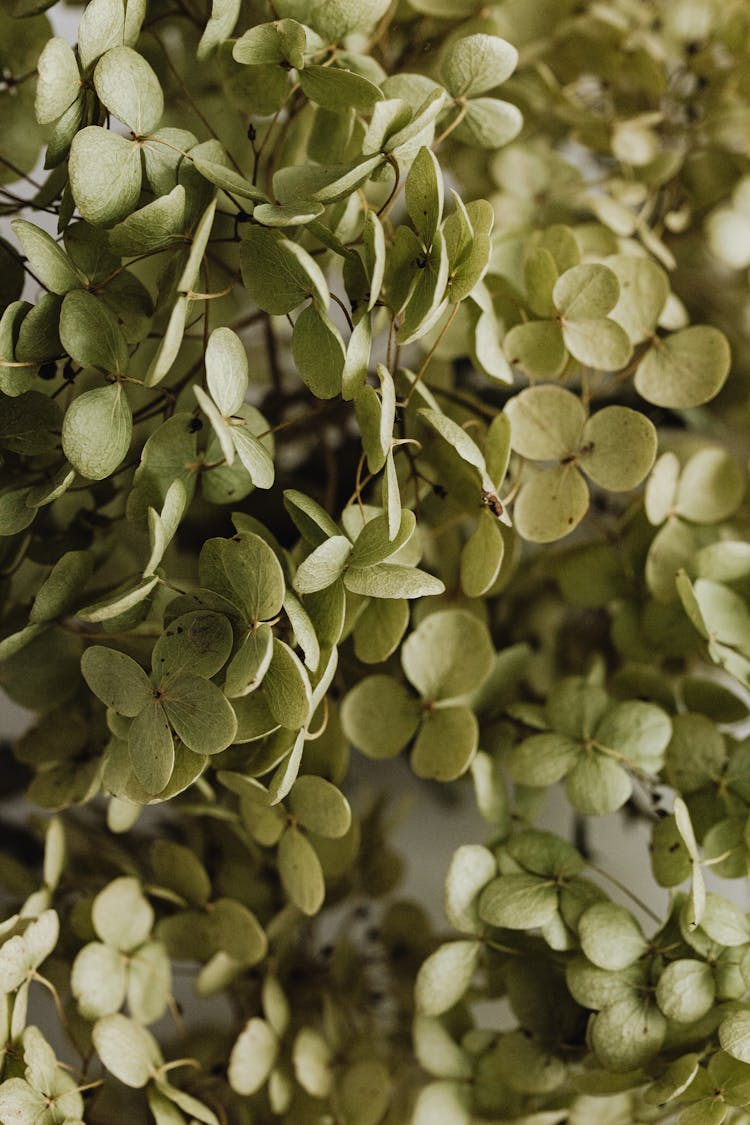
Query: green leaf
(334, 88)
(674, 1081)
(639, 731)
(253, 452)
(201, 235)
(546, 423)
(152, 226)
(482, 556)
(586, 292)
(711, 487)
(320, 807)
(245, 672)
(46, 258)
(426, 303)
(335, 19)
(127, 1050)
(287, 687)
(364, 1092)
(300, 872)
(218, 172)
(98, 980)
(597, 785)
(375, 425)
(199, 642)
(287, 215)
(58, 84)
(318, 352)
(116, 679)
(724, 613)
(489, 123)
(540, 273)
(551, 504)
(373, 237)
(90, 333)
(600, 344)
(446, 744)
(445, 977)
(253, 1057)
(122, 915)
(597, 988)
(18, 1100)
(460, 440)
(527, 1066)
(469, 251)
(379, 629)
(644, 288)
(734, 1035)
(610, 937)
(446, 1101)
(128, 87)
(424, 194)
(287, 771)
(324, 183)
(105, 175)
(391, 495)
(119, 602)
(357, 359)
(197, 1111)
(327, 611)
(313, 522)
(375, 544)
(730, 1076)
(518, 902)
(627, 1033)
(108, 23)
(313, 1062)
(163, 525)
(170, 343)
(278, 274)
(22, 954)
(178, 868)
(618, 448)
(497, 448)
(380, 716)
(268, 44)
(199, 713)
(537, 347)
(96, 431)
(705, 1112)
(246, 572)
(450, 654)
(391, 580)
(236, 931)
(224, 16)
(471, 868)
(686, 369)
(62, 588)
(686, 990)
(477, 63)
(724, 921)
(323, 566)
(542, 759)
(151, 747)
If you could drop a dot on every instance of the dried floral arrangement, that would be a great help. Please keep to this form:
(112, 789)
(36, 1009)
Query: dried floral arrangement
(364, 392)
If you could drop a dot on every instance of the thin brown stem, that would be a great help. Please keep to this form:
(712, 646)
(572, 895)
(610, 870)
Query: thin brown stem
(395, 189)
(344, 310)
(428, 358)
(453, 125)
(190, 99)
